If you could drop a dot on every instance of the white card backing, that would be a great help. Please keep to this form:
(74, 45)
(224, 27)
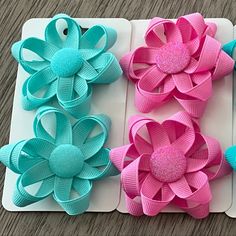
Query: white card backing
(231, 212)
(108, 99)
(216, 121)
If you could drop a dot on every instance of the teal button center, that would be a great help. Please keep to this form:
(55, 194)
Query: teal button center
(66, 161)
(66, 62)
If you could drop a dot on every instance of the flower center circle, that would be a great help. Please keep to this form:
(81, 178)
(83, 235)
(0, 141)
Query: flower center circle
(172, 57)
(168, 164)
(66, 62)
(66, 161)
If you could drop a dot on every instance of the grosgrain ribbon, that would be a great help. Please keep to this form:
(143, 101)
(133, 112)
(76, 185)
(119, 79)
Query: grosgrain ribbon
(168, 163)
(229, 49)
(230, 153)
(63, 165)
(179, 60)
(68, 65)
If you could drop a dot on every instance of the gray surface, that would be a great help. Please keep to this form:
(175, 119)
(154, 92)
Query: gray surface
(13, 14)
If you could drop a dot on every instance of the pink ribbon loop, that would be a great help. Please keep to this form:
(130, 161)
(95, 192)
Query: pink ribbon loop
(179, 60)
(168, 163)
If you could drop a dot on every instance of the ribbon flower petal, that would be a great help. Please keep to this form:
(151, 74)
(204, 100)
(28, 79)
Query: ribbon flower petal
(179, 60)
(229, 48)
(62, 163)
(230, 153)
(66, 65)
(168, 163)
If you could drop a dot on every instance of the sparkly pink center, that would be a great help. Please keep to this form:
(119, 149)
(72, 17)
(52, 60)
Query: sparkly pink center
(168, 164)
(173, 57)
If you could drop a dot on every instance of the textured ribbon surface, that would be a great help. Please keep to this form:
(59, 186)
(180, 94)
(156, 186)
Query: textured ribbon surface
(169, 162)
(179, 60)
(67, 65)
(229, 48)
(62, 162)
(230, 153)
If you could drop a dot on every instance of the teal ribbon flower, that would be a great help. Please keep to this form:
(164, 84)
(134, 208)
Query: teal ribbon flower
(67, 66)
(229, 49)
(62, 163)
(230, 153)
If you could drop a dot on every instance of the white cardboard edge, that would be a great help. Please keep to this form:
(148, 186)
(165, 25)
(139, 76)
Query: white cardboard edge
(221, 198)
(106, 193)
(231, 212)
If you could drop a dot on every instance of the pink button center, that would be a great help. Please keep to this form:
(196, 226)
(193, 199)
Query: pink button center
(173, 58)
(168, 164)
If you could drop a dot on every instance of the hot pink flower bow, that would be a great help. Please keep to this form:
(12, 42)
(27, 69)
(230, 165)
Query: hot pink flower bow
(180, 60)
(169, 162)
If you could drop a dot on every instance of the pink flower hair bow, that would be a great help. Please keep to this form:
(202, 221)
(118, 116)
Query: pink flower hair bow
(180, 60)
(169, 162)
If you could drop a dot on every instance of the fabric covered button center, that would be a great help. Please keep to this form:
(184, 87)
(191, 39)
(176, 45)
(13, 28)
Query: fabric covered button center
(66, 161)
(66, 62)
(173, 58)
(168, 164)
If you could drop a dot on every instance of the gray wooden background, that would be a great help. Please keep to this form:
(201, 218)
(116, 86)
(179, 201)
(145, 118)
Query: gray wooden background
(13, 13)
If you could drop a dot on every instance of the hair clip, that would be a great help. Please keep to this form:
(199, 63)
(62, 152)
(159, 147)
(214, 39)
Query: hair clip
(168, 163)
(180, 60)
(68, 65)
(65, 164)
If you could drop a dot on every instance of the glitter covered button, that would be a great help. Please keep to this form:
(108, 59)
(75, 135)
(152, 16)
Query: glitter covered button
(173, 57)
(66, 62)
(66, 161)
(168, 164)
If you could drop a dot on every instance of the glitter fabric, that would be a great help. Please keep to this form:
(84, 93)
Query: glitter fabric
(168, 164)
(172, 57)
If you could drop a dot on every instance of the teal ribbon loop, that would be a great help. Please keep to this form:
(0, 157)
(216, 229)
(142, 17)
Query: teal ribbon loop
(229, 49)
(63, 161)
(230, 155)
(67, 65)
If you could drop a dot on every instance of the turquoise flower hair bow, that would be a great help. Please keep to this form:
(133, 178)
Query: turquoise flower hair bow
(68, 65)
(229, 49)
(64, 164)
